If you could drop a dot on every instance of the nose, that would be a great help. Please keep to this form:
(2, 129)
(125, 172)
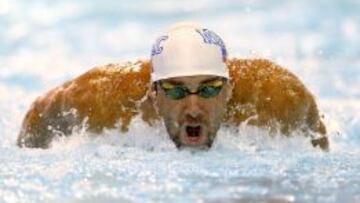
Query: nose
(192, 107)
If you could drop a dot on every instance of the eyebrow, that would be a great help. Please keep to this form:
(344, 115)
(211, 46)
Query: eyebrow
(175, 82)
(210, 80)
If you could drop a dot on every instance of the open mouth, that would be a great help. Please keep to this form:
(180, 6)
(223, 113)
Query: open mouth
(193, 134)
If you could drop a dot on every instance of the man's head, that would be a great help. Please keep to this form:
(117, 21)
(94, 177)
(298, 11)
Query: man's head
(190, 83)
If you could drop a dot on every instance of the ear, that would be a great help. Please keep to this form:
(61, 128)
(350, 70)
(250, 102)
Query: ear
(152, 92)
(229, 90)
(151, 95)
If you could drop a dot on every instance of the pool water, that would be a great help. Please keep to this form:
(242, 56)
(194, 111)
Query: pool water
(43, 44)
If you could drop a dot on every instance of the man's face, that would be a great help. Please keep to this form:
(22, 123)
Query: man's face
(192, 108)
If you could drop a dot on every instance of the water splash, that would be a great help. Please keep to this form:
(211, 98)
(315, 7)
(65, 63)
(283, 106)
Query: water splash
(143, 165)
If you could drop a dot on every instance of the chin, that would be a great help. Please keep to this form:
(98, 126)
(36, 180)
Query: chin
(194, 148)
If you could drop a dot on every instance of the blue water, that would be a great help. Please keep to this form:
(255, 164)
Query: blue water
(44, 43)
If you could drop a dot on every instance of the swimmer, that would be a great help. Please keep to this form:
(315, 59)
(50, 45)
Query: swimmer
(189, 84)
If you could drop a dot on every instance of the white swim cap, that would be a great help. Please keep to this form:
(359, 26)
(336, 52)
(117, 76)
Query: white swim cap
(188, 49)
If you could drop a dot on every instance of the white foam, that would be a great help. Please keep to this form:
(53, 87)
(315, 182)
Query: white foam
(52, 42)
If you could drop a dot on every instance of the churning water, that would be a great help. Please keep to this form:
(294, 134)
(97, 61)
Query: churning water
(43, 44)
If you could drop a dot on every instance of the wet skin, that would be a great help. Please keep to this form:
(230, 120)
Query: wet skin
(263, 95)
(192, 121)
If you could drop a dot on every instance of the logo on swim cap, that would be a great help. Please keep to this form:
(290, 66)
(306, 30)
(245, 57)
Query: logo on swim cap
(211, 37)
(157, 47)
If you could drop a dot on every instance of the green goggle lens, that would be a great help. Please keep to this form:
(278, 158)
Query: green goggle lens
(209, 91)
(179, 92)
